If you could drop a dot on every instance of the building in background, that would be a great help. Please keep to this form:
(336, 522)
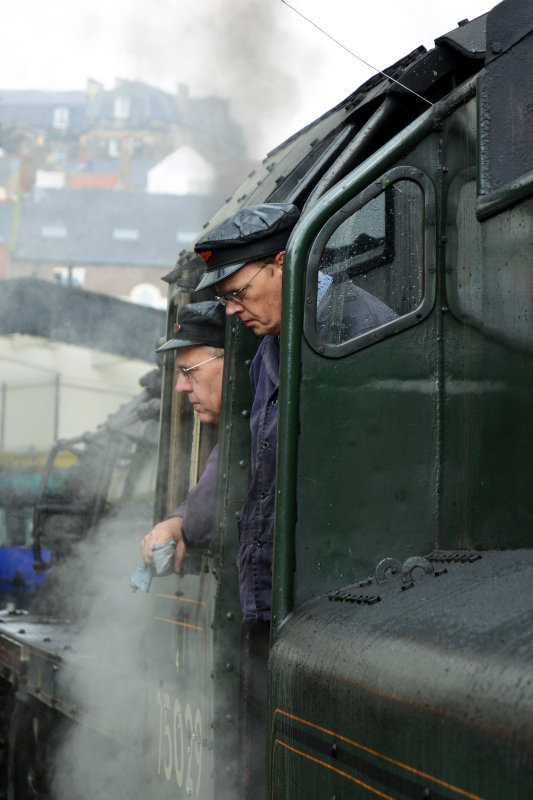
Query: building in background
(68, 359)
(114, 242)
(112, 138)
(102, 189)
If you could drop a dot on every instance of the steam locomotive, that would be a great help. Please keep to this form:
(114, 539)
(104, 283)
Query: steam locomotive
(400, 663)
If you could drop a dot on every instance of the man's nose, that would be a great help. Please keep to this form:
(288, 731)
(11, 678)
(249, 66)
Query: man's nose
(183, 384)
(233, 308)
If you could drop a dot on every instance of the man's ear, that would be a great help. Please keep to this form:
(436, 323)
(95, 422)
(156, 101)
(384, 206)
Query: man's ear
(279, 258)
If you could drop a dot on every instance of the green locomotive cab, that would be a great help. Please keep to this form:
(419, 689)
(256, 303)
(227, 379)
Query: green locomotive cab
(399, 661)
(401, 647)
(399, 642)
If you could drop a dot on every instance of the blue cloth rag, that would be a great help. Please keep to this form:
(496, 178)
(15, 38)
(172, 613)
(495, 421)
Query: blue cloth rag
(163, 555)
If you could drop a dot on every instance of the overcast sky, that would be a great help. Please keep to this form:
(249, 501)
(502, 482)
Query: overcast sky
(279, 71)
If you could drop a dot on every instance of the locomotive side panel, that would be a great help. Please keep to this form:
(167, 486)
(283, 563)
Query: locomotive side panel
(487, 358)
(414, 680)
(417, 694)
(375, 396)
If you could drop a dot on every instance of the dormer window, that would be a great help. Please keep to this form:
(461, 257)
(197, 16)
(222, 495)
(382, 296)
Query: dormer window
(61, 118)
(54, 231)
(121, 107)
(113, 148)
(126, 234)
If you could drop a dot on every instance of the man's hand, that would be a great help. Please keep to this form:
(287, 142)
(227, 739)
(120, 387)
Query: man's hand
(162, 533)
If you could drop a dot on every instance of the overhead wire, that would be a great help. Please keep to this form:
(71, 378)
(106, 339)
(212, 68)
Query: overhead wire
(310, 21)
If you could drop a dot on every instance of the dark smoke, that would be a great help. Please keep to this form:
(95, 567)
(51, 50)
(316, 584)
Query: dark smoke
(238, 49)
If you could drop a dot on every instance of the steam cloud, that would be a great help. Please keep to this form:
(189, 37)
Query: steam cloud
(109, 684)
(228, 48)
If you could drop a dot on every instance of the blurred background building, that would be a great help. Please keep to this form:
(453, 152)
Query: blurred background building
(69, 359)
(102, 189)
(99, 192)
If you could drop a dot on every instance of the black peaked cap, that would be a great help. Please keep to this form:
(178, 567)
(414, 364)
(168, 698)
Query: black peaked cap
(247, 235)
(198, 324)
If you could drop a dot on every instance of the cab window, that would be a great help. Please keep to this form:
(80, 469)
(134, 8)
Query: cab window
(369, 270)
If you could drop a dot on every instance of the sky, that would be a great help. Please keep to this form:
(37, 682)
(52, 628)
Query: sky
(278, 70)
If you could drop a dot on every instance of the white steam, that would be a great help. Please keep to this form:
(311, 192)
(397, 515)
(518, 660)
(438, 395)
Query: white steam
(101, 758)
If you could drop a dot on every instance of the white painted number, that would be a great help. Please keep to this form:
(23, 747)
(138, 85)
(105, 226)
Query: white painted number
(178, 735)
(163, 700)
(198, 748)
(179, 738)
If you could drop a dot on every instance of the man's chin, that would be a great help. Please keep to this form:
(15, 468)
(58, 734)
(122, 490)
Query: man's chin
(258, 328)
(206, 417)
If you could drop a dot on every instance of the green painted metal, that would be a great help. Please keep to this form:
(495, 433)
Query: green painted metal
(232, 484)
(413, 696)
(411, 687)
(399, 687)
(293, 281)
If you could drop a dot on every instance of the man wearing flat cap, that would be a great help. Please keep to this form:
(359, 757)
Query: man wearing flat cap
(244, 258)
(199, 360)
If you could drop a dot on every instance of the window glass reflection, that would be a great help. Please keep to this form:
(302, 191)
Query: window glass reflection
(372, 267)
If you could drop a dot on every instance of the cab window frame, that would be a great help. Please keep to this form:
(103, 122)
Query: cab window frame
(355, 204)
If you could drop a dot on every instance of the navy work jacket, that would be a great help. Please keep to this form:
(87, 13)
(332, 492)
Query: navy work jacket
(256, 524)
(198, 509)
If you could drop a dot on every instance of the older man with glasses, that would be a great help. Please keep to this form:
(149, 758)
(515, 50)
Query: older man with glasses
(244, 258)
(199, 362)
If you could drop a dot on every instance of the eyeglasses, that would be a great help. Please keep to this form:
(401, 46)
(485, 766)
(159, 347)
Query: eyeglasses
(185, 371)
(238, 297)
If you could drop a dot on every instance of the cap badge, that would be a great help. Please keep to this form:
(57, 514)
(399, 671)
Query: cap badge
(206, 254)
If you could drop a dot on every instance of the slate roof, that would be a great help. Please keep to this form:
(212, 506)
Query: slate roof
(36, 108)
(146, 107)
(147, 104)
(102, 226)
